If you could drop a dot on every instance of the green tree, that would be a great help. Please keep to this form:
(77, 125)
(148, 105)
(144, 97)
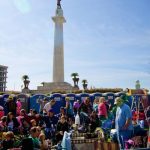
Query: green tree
(75, 78)
(43, 83)
(84, 83)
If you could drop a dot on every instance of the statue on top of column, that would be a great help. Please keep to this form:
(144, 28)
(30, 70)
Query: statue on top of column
(59, 11)
(58, 3)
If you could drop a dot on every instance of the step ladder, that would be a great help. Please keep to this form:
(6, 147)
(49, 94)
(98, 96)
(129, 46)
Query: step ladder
(137, 105)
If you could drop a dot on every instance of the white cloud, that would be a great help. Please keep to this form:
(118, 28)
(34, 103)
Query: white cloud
(23, 6)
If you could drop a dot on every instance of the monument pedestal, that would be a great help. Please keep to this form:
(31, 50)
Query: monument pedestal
(26, 91)
(49, 87)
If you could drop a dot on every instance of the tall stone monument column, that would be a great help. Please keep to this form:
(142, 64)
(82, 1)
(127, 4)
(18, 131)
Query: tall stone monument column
(58, 57)
(58, 83)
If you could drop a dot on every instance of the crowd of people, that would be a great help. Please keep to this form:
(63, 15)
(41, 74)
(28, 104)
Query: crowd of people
(46, 128)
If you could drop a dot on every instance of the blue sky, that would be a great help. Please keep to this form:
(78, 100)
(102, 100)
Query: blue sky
(106, 41)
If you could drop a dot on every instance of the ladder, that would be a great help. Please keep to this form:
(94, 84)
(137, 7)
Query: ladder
(137, 105)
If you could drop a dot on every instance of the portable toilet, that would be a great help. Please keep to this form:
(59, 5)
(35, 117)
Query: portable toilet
(1, 101)
(34, 101)
(82, 96)
(60, 102)
(4, 99)
(110, 97)
(96, 95)
(120, 94)
(24, 99)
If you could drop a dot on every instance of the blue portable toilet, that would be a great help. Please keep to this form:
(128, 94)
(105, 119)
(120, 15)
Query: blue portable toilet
(96, 95)
(72, 97)
(33, 102)
(5, 98)
(3, 102)
(110, 97)
(130, 99)
(82, 96)
(120, 94)
(60, 102)
(24, 99)
(91, 98)
(78, 97)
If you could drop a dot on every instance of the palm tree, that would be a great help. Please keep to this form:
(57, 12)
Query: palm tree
(25, 77)
(84, 83)
(75, 78)
(43, 83)
(25, 81)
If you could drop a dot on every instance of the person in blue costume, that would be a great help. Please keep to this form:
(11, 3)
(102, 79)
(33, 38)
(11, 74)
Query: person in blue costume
(123, 122)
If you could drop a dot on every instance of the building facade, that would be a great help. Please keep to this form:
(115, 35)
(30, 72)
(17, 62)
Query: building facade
(3, 77)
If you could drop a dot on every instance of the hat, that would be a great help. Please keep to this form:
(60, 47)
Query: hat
(118, 99)
(10, 98)
(51, 110)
